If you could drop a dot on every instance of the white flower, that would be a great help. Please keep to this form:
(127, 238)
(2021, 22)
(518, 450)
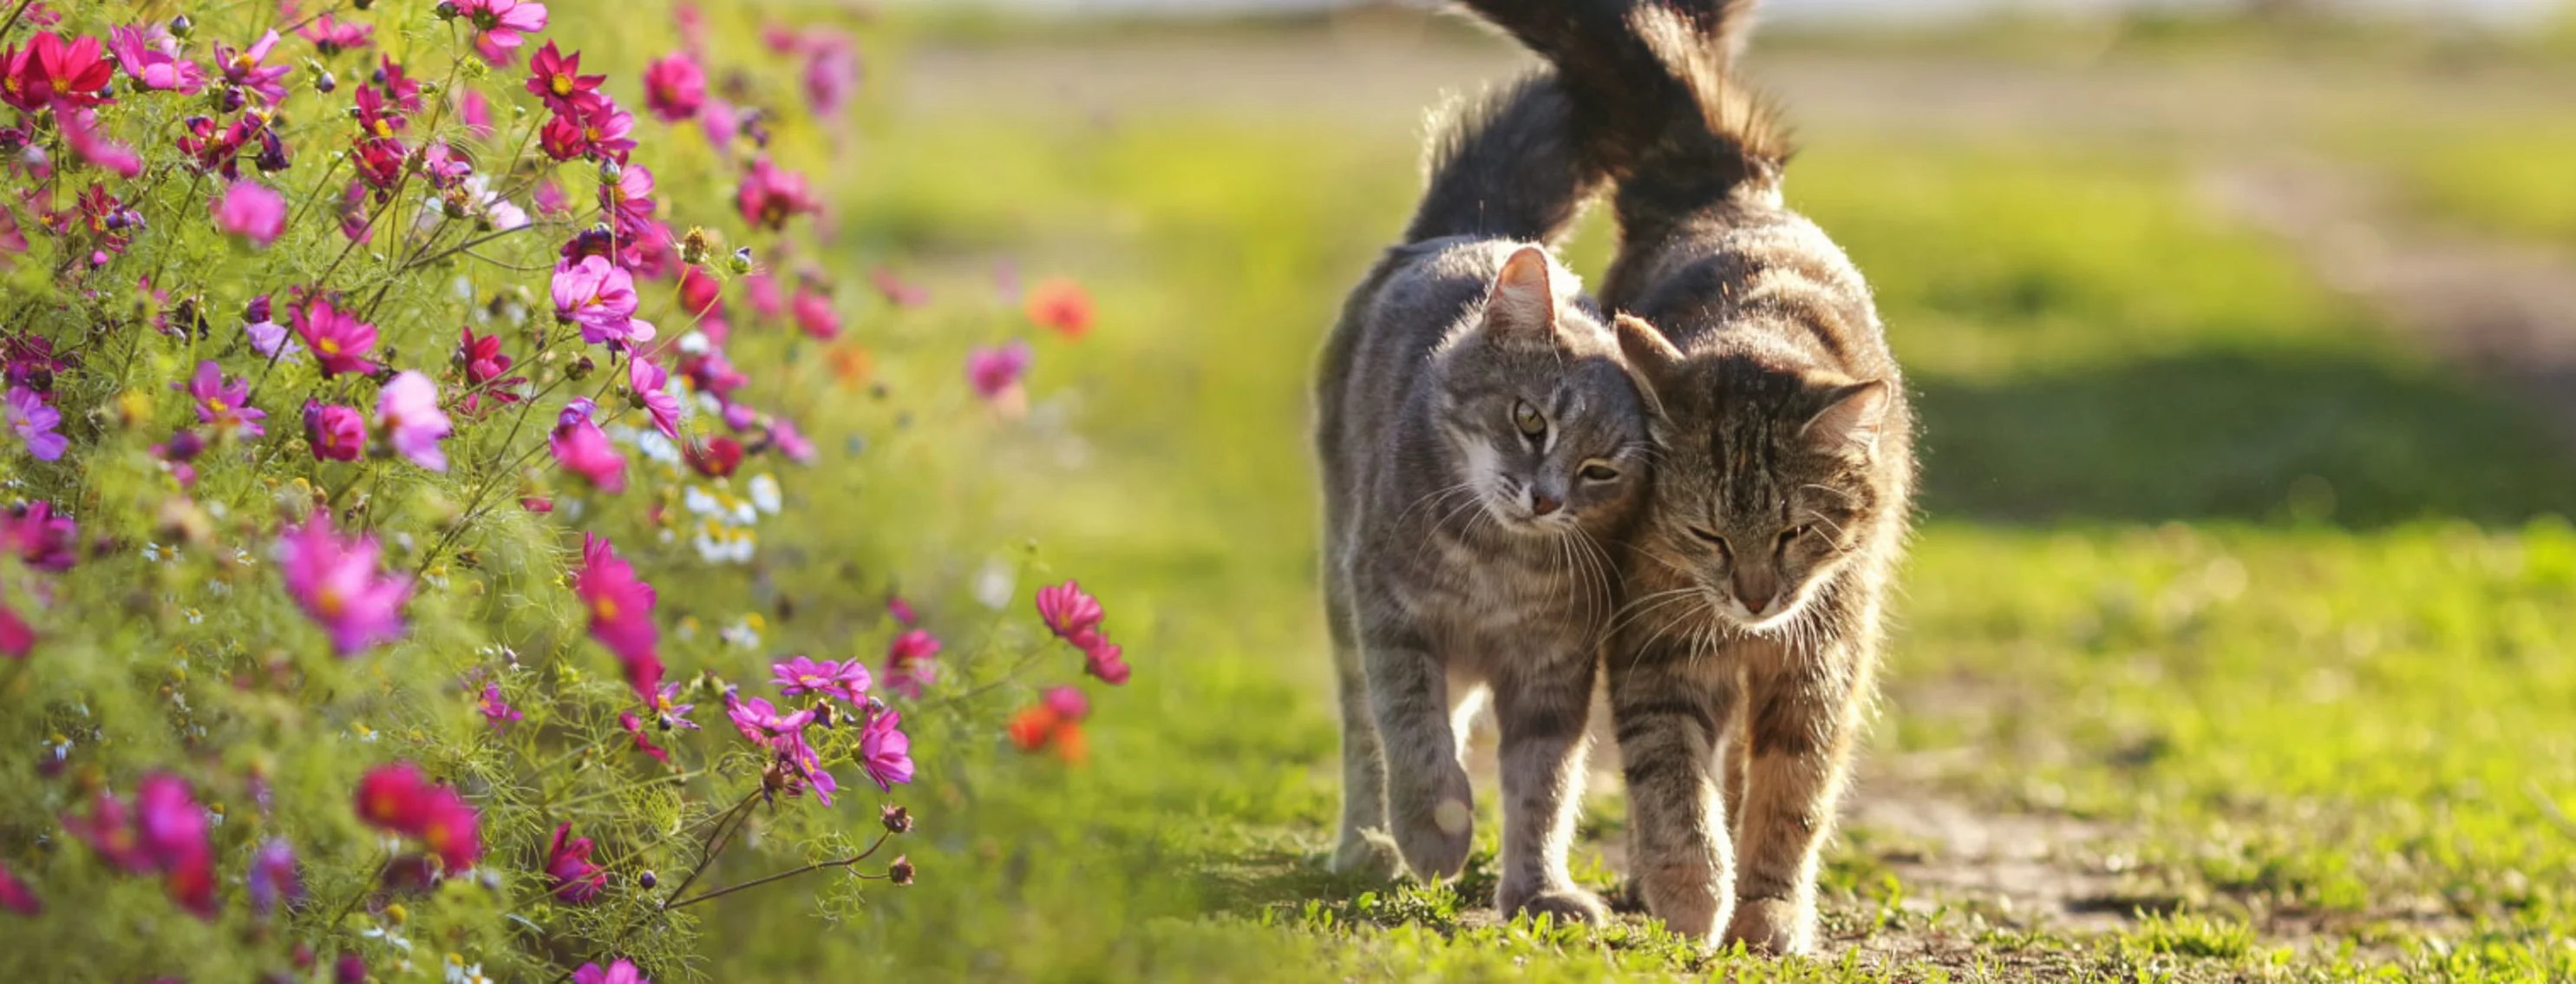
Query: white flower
(741, 634)
(995, 583)
(694, 343)
(653, 445)
(699, 502)
(764, 493)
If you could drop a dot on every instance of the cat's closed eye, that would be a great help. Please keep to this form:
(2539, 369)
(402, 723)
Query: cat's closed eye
(1594, 471)
(1710, 538)
(1791, 535)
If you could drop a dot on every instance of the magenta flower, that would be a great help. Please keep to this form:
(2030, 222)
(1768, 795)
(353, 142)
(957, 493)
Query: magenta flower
(243, 68)
(496, 708)
(1102, 659)
(500, 26)
(770, 196)
(582, 449)
(35, 422)
(17, 638)
(151, 57)
(224, 404)
(762, 725)
(1071, 614)
(885, 751)
(109, 830)
(674, 88)
(331, 37)
(651, 390)
(1067, 703)
(337, 583)
(15, 896)
(399, 798)
(629, 199)
(621, 612)
(336, 433)
(789, 441)
(340, 342)
(476, 113)
(557, 79)
(81, 133)
(848, 681)
(762, 289)
(901, 610)
(911, 662)
(620, 972)
(814, 314)
(599, 296)
(568, 862)
(251, 211)
(52, 71)
(831, 72)
(993, 371)
(635, 727)
(595, 126)
(43, 540)
(272, 878)
(170, 830)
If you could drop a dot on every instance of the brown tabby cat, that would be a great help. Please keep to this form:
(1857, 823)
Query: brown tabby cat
(1741, 673)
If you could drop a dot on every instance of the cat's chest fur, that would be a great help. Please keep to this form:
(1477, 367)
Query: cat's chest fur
(1487, 601)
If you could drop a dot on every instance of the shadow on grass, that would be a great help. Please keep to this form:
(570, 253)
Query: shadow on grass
(2258, 437)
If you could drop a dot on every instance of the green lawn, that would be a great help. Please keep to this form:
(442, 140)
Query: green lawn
(2210, 563)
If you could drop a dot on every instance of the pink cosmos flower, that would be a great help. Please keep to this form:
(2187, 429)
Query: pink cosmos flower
(762, 725)
(34, 422)
(799, 676)
(251, 211)
(814, 314)
(225, 405)
(151, 58)
(485, 365)
(496, 708)
(911, 662)
(399, 798)
(42, 540)
(594, 127)
(674, 87)
(338, 584)
(896, 290)
(621, 612)
(1102, 659)
(789, 441)
(109, 830)
(668, 710)
(1068, 703)
(885, 751)
(770, 196)
(332, 37)
(620, 972)
(629, 199)
(901, 610)
(650, 388)
(243, 68)
(80, 132)
(582, 449)
(635, 727)
(172, 828)
(831, 72)
(993, 371)
(17, 638)
(336, 433)
(556, 78)
(407, 411)
(568, 862)
(15, 896)
(500, 26)
(52, 71)
(476, 113)
(721, 122)
(600, 297)
(715, 457)
(340, 342)
(1071, 614)
(272, 878)
(762, 290)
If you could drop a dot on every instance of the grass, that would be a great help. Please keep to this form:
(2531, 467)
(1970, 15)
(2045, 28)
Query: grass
(2211, 564)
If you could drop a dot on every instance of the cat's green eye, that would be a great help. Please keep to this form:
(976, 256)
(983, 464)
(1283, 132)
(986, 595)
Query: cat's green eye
(1597, 472)
(1526, 417)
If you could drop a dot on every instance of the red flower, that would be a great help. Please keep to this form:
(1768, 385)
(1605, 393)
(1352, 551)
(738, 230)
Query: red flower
(52, 71)
(716, 457)
(400, 799)
(1063, 306)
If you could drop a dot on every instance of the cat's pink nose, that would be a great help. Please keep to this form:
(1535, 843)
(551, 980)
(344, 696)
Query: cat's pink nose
(1541, 505)
(1755, 605)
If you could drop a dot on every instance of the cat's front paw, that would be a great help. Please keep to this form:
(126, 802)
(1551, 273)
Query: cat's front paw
(1435, 835)
(1686, 897)
(1770, 926)
(1368, 854)
(1565, 902)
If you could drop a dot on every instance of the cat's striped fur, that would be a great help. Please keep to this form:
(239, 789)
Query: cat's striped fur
(1741, 673)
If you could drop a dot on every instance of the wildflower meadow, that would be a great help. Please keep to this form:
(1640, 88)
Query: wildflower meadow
(426, 433)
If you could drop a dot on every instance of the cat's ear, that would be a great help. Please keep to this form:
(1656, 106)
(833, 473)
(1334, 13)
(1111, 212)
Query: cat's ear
(1851, 418)
(1522, 310)
(1647, 350)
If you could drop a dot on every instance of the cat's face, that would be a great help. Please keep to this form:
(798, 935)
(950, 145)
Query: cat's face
(1544, 422)
(1766, 487)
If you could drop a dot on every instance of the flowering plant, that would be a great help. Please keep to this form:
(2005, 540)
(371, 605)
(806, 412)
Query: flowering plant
(323, 662)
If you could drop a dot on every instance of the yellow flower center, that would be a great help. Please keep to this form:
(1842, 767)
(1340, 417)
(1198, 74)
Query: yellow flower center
(329, 346)
(330, 602)
(605, 608)
(563, 85)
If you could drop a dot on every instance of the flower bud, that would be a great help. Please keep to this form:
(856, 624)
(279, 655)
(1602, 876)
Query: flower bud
(610, 171)
(647, 880)
(900, 872)
(446, 10)
(581, 368)
(694, 246)
(741, 262)
(181, 27)
(363, 4)
(896, 819)
(324, 81)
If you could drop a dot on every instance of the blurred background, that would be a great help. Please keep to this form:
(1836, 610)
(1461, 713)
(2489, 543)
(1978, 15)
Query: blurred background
(2236, 639)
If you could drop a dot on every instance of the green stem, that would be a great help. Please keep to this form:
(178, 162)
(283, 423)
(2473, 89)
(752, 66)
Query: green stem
(784, 875)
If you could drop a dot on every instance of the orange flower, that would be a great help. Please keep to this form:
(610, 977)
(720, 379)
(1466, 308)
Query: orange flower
(1060, 305)
(1031, 728)
(853, 365)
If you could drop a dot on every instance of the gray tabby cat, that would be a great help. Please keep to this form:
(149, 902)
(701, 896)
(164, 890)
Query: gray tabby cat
(1740, 678)
(1479, 437)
